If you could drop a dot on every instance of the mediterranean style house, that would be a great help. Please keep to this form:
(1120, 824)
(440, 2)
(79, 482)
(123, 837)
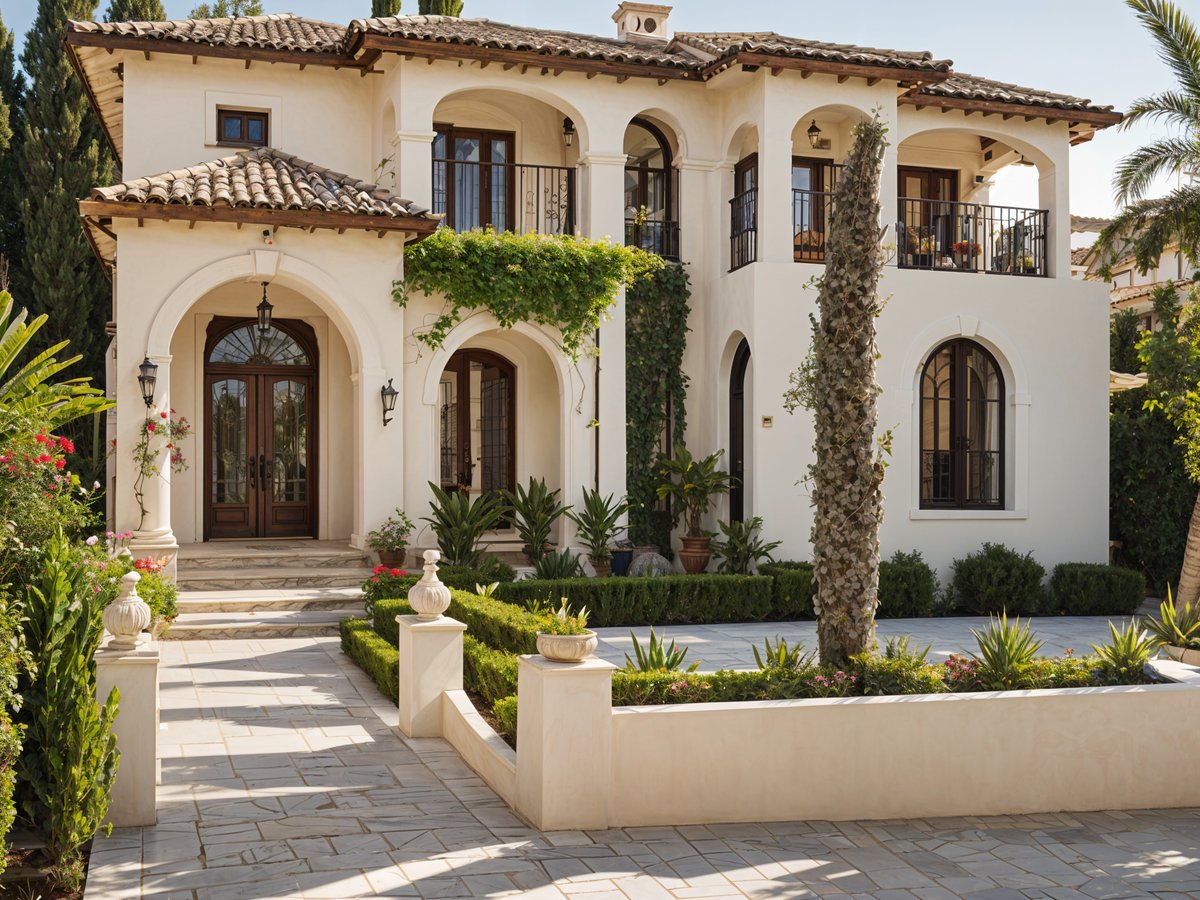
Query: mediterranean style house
(291, 161)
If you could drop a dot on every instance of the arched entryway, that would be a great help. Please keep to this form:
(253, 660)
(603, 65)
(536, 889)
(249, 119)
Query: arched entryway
(477, 416)
(260, 390)
(737, 431)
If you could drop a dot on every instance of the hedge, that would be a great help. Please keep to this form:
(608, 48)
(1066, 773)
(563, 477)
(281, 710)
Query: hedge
(498, 624)
(374, 655)
(492, 674)
(907, 587)
(996, 579)
(1096, 589)
(792, 590)
(667, 600)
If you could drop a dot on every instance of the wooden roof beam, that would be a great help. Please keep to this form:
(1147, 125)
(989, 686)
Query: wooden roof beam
(113, 42)
(826, 67)
(1098, 118)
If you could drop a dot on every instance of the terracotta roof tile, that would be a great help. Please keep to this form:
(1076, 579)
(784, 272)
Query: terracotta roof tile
(284, 31)
(972, 87)
(726, 43)
(263, 179)
(1079, 255)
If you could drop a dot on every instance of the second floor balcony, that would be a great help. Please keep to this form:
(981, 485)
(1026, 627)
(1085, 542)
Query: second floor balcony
(473, 193)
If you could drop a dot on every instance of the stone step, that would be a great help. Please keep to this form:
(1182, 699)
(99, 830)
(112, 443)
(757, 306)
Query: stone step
(264, 556)
(268, 600)
(254, 625)
(271, 579)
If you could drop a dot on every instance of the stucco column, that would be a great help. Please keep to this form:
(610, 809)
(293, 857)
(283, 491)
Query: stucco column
(564, 732)
(431, 663)
(414, 164)
(152, 534)
(774, 199)
(378, 453)
(134, 673)
(1054, 194)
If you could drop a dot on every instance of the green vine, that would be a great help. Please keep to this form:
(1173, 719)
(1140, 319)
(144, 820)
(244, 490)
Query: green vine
(561, 281)
(656, 329)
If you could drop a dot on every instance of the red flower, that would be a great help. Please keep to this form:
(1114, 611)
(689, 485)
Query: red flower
(67, 445)
(376, 579)
(169, 445)
(403, 573)
(44, 458)
(395, 573)
(379, 569)
(41, 438)
(163, 414)
(60, 463)
(150, 426)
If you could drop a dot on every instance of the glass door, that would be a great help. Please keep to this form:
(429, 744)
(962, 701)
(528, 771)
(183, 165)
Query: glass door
(478, 423)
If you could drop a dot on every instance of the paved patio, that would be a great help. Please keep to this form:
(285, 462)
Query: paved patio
(731, 646)
(283, 776)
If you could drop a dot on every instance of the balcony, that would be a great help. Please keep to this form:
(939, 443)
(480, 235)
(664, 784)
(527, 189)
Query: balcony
(743, 229)
(810, 221)
(505, 196)
(653, 236)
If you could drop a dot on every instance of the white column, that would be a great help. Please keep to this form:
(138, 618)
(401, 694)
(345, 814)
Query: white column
(414, 165)
(1054, 194)
(134, 673)
(152, 534)
(431, 663)
(378, 454)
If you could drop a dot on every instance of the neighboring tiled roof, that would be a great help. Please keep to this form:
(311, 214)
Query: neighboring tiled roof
(1079, 255)
(971, 87)
(275, 32)
(726, 43)
(263, 179)
(499, 36)
(1086, 224)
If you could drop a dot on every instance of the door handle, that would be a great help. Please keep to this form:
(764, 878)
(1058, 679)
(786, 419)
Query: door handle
(262, 469)
(253, 475)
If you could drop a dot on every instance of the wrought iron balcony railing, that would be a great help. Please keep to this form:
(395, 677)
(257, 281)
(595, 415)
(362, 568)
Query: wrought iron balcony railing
(505, 196)
(743, 229)
(655, 236)
(971, 237)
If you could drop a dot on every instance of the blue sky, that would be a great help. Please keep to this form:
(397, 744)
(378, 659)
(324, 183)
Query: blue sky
(1089, 48)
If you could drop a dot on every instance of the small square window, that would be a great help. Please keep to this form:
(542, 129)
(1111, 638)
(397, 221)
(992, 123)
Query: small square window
(240, 128)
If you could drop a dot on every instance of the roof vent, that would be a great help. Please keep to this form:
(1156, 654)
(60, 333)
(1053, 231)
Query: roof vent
(642, 22)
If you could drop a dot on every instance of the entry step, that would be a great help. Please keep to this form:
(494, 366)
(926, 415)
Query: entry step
(277, 577)
(249, 625)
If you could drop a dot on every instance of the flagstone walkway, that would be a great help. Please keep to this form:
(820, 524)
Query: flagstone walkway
(283, 776)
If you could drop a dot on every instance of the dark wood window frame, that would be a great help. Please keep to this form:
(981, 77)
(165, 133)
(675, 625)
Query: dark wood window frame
(485, 137)
(245, 116)
(959, 448)
(666, 243)
(737, 431)
(460, 365)
(743, 218)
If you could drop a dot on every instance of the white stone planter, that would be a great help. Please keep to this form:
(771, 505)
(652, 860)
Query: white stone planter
(567, 647)
(429, 598)
(127, 616)
(1183, 655)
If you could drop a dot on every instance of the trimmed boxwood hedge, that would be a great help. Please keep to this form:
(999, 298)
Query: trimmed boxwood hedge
(496, 623)
(666, 600)
(1096, 589)
(996, 579)
(907, 587)
(374, 655)
(792, 589)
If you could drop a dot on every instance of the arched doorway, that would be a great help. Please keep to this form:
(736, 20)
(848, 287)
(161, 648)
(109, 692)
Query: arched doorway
(650, 220)
(477, 416)
(260, 464)
(737, 431)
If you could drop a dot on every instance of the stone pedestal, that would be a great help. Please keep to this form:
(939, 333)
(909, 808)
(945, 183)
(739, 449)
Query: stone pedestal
(564, 743)
(431, 663)
(134, 673)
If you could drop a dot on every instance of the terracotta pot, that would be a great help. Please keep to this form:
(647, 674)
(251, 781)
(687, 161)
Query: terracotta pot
(1183, 655)
(566, 647)
(603, 567)
(695, 554)
(393, 559)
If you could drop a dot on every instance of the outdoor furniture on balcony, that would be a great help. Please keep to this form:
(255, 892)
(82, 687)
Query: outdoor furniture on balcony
(971, 237)
(655, 236)
(505, 196)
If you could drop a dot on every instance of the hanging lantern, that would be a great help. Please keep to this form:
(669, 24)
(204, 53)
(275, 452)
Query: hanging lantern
(264, 312)
(147, 379)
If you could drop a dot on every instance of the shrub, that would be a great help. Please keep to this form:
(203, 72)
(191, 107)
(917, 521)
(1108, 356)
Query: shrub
(659, 656)
(692, 599)
(996, 580)
(374, 655)
(158, 592)
(557, 566)
(907, 587)
(460, 523)
(388, 583)
(500, 625)
(743, 547)
(1096, 589)
(1125, 656)
(505, 712)
(490, 673)
(1006, 651)
(793, 589)
(14, 659)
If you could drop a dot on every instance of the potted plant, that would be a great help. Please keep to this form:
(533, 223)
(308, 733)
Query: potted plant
(565, 636)
(965, 253)
(390, 540)
(692, 484)
(598, 524)
(743, 548)
(460, 522)
(535, 510)
(1176, 630)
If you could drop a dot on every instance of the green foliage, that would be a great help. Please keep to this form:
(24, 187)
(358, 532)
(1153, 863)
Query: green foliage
(566, 622)
(793, 589)
(1124, 657)
(492, 674)
(440, 7)
(779, 656)
(460, 523)
(12, 104)
(160, 594)
(505, 712)
(536, 510)
(656, 315)
(1176, 625)
(382, 8)
(557, 566)
(1006, 651)
(496, 623)
(692, 484)
(666, 600)
(598, 522)
(907, 587)
(227, 9)
(14, 660)
(659, 656)
(382, 585)
(996, 579)
(1096, 589)
(881, 676)
(70, 757)
(135, 11)
(560, 281)
(392, 535)
(374, 655)
(743, 548)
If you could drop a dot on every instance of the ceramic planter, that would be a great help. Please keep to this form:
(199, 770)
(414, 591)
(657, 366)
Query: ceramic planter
(620, 561)
(603, 567)
(1183, 654)
(566, 647)
(695, 554)
(393, 559)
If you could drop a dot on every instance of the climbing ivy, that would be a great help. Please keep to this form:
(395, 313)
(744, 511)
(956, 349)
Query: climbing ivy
(656, 329)
(561, 281)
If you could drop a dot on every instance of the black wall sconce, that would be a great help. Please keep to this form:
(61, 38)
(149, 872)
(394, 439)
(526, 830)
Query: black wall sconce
(147, 379)
(388, 395)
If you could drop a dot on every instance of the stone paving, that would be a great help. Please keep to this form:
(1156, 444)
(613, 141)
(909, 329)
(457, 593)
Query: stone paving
(731, 646)
(283, 776)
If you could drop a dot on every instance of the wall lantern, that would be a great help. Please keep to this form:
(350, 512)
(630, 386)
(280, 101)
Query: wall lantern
(814, 137)
(147, 378)
(568, 132)
(264, 312)
(388, 395)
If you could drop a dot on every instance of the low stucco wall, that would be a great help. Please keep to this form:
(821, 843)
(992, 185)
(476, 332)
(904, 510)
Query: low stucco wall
(479, 746)
(906, 757)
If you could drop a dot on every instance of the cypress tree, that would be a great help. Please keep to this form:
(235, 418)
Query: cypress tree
(62, 156)
(12, 99)
(380, 8)
(135, 11)
(227, 9)
(440, 7)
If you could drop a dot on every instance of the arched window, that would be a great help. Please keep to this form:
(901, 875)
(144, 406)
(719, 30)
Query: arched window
(650, 221)
(962, 428)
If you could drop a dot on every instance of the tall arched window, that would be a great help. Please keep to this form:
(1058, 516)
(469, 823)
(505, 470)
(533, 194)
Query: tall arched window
(962, 428)
(650, 221)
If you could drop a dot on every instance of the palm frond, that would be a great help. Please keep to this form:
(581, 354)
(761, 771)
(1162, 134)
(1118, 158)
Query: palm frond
(1145, 228)
(1137, 171)
(1177, 38)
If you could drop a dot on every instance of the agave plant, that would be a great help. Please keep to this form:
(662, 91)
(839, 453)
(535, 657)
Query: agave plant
(1125, 656)
(780, 657)
(898, 648)
(535, 511)
(556, 566)
(659, 656)
(1006, 651)
(460, 523)
(598, 522)
(1176, 626)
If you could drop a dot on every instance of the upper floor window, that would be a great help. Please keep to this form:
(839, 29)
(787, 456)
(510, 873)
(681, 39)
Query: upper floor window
(240, 128)
(962, 428)
(813, 182)
(472, 177)
(650, 221)
(743, 214)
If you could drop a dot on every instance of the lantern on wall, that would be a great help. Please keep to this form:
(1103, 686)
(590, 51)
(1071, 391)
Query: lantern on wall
(147, 379)
(388, 395)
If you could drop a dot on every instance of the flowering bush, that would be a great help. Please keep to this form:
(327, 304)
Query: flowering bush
(167, 431)
(392, 535)
(967, 247)
(834, 684)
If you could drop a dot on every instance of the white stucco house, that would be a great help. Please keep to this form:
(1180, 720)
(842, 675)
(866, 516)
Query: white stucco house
(250, 152)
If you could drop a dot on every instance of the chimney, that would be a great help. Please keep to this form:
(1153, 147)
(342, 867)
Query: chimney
(646, 22)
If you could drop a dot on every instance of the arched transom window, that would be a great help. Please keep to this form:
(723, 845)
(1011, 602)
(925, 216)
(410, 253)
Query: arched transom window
(962, 428)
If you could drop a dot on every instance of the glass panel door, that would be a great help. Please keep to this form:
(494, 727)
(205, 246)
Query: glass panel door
(288, 474)
(231, 462)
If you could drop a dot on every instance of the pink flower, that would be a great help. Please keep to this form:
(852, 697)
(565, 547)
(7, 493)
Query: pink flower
(150, 426)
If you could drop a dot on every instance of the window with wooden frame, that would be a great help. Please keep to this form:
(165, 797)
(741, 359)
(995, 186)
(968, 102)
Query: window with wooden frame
(242, 128)
(962, 428)
(474, 179)
(743, 213)
(813, 182)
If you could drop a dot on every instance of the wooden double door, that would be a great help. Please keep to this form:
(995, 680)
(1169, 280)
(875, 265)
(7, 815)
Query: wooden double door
(260, 458)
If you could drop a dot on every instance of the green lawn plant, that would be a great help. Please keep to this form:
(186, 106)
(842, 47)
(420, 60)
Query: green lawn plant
(1176, 625)
(598, 523)
(566, 622)
(692, 485)
(658, 656)
(1006, 651)
(742, 549)
(1124, 657)
(460, 522)
(559, 565)
(536, 510)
